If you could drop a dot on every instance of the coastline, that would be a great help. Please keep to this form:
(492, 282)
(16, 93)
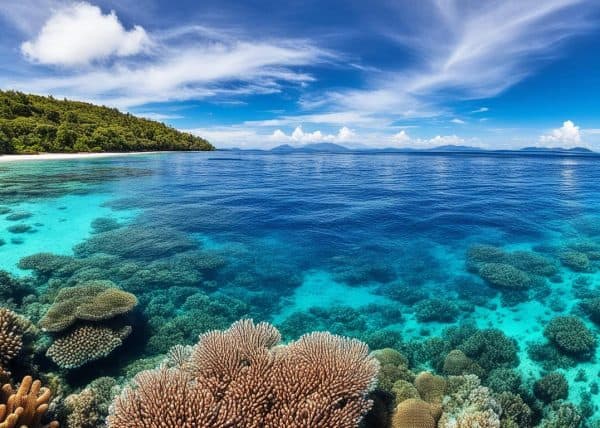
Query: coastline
(67, 156)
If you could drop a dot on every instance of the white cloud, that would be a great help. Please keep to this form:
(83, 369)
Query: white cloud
(458, 121)
(481, 110)
(80, 33)
(403, 139)
(195, 71)
(299, 136)
(566, 136)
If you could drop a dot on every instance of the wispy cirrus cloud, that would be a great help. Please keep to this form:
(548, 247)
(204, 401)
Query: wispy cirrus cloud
(466, 50)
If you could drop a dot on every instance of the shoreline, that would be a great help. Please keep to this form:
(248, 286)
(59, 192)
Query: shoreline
(68, 156)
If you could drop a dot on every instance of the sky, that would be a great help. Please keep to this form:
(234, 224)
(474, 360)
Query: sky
(380, 73)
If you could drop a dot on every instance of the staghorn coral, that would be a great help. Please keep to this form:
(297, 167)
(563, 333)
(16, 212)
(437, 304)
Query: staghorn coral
(505, 276)
(239, 377)
(415, 413)
(563, 415)
(90, 301)
(86, 343)
(11, 335)
(570, 335)
(26, 406)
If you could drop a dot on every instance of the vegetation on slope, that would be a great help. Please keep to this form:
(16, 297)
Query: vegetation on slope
(33, 124)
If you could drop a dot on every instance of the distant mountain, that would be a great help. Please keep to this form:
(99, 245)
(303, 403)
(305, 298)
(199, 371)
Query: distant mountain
(337, 148)
(557, 149)
(316, 147)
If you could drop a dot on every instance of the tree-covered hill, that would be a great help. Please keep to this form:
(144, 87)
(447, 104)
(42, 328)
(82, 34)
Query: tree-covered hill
(34, 124)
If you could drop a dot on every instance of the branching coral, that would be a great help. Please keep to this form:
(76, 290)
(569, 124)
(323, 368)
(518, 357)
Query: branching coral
(26, 406)
(91, 301)
(86, 343)
(239, 377)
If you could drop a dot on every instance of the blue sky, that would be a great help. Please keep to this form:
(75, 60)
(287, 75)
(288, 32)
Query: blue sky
(257, 73)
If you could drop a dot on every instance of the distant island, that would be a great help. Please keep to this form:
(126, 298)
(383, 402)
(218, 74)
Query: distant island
(337, 148)
(36, 124)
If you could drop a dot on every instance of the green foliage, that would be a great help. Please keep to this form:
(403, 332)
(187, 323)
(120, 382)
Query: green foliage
(33, 124)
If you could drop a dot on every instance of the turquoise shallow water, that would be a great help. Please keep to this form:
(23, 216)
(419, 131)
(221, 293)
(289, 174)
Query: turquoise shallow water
(386, 247)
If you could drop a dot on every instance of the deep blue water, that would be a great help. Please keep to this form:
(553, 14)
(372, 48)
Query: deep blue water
(357, 244)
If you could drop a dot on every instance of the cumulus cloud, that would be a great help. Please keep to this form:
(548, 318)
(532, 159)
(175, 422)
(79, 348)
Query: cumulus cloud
(458, 121)
(80, 33)
(566, 136)
(402, 138)
(345, 134)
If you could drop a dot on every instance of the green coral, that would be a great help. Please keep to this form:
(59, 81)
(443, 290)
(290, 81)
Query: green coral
(571, 336)
(91, 301)
(551, 387)
(505, 276)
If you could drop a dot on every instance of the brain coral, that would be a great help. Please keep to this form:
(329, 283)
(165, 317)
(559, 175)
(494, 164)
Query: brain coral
(11, 335)
(571, 336)
(503, 275)
(239, 377)
(25, 407)
(415, 413)
(86, 343)
(91, 301)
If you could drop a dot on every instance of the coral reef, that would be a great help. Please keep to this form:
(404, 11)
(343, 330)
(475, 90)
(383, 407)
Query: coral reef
(551, 387)
(86, 343)
(26, 406)
(89, 408)
(570, 335)
(416, 413)
(505, 276)
(11, 336)
(436, 310)
(232, 377)
(90, 301)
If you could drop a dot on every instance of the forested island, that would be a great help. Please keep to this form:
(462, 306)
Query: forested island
(37, 124)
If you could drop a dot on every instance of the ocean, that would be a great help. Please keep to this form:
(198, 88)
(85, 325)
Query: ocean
(407, 251)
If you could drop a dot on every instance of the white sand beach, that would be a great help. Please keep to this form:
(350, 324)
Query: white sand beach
(66, 156)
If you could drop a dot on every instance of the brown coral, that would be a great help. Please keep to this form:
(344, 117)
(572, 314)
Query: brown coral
(25, 407)
(11, 335)
(415, 413)
(91, 301)
(239, 377)
(86, 343)
(431, 387)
